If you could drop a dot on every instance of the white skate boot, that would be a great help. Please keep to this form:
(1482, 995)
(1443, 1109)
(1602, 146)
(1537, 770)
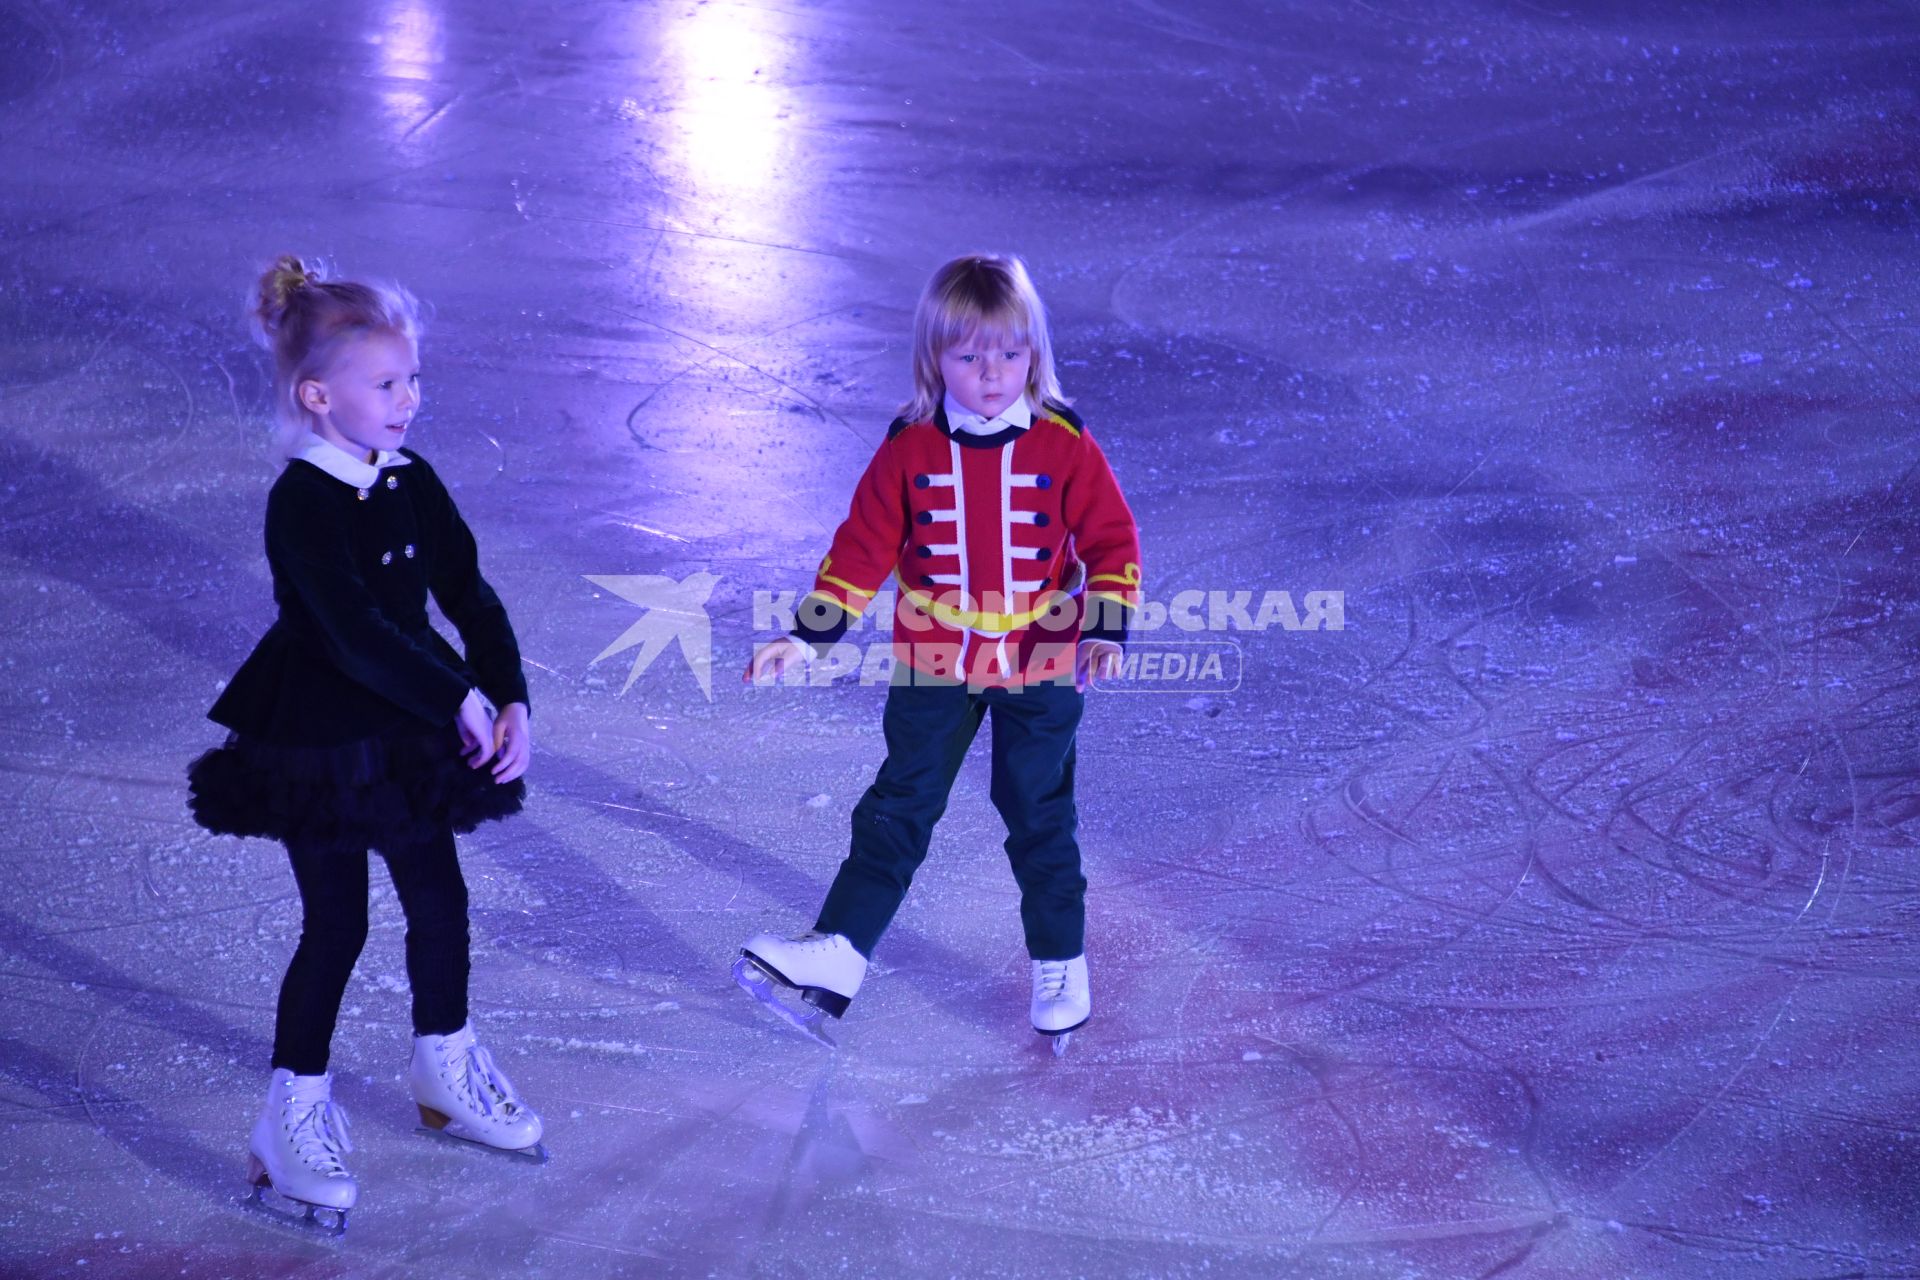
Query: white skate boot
(1061, 1001)
(295, 1150)
(823, 968)
(463, 1094)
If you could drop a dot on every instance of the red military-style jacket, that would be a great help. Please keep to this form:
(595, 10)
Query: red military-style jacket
(990, 537)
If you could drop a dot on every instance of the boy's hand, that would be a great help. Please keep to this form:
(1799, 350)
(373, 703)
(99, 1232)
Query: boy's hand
(1095, 660)
(476, 730)
(772, 658)
(512, 742)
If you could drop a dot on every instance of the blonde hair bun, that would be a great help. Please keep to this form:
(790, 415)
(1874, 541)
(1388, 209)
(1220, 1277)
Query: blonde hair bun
(278, 284)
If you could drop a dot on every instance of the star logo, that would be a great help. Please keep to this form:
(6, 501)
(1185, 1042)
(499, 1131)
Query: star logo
(675, 611)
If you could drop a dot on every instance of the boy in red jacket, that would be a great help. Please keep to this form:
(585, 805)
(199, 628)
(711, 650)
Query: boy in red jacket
(992, 505)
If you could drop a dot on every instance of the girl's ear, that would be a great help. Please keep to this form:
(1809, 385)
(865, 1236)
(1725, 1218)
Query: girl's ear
(312, 395)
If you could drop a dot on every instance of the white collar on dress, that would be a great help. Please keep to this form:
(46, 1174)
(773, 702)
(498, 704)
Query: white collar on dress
(344, 466)
(1018, 414)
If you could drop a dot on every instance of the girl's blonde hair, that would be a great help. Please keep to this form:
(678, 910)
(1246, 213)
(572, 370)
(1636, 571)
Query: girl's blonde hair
(975, 293)
(305, 319)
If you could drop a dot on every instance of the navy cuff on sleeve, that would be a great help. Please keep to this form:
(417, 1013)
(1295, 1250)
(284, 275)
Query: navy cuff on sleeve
(820, 622)
(1107, 620)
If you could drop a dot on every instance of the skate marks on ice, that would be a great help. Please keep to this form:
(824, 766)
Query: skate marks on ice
(151, 1139)
(1638, 906)
(160, 1124)
(824, 1153)
(695, 859)
(854, 1139)
(1710, 801)
(736, 1170)
(1588, 958)
(1645, 999)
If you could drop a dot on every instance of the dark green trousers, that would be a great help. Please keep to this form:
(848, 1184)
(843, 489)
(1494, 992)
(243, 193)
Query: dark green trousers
(928, 729)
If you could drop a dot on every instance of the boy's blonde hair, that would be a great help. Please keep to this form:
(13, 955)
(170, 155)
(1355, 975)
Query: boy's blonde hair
(979, 292)
(304, 319)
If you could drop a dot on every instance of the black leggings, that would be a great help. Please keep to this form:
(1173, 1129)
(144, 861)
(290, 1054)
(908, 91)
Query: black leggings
(333, 895)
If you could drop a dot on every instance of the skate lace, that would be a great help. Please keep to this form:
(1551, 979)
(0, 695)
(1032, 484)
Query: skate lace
(1052, 981)
(480, 1081)
(320, 1135)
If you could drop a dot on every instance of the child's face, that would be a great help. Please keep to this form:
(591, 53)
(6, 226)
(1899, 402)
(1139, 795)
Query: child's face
(369, 396)
(986, 372)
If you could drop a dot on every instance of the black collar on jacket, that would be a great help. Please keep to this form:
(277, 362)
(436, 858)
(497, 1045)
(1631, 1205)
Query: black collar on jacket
(972, 441)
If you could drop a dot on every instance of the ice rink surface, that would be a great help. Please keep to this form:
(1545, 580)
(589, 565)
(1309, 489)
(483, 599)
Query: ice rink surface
(1554, 918)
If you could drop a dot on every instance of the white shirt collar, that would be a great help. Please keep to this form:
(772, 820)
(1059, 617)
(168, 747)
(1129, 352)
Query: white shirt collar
(344, 466)
(1018, 414)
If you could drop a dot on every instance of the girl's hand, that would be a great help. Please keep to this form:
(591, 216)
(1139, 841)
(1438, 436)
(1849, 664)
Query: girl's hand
(512, 742)
(1095, 660)
(772, 658)
(476, 730)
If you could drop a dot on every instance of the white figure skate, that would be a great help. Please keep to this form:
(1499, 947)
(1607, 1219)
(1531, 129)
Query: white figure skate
(463, 1094)
(1061, 1001)
(295, 1152)
(822, 969)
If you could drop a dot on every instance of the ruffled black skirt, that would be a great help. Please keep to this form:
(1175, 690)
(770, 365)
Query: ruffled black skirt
(379, 793)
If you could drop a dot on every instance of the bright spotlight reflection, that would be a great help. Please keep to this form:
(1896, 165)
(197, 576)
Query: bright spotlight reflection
(731, 118)
(411, 41)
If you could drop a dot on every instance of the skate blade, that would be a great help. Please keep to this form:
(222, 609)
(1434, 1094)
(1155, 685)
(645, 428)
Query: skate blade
(766, 991)
(322, 1221)
(535, 1154)
(1060, 1039)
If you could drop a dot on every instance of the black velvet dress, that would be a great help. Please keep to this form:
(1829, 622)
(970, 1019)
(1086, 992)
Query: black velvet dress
(343, 720)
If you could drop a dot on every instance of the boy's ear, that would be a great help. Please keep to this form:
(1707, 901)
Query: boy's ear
(312, 395)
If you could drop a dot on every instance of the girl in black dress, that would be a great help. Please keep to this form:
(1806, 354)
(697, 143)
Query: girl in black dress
(355, 726)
